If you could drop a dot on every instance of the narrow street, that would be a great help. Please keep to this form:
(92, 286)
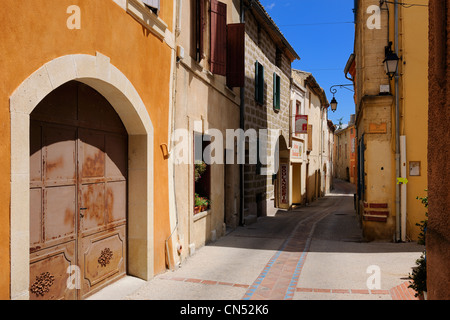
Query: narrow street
(312, 252)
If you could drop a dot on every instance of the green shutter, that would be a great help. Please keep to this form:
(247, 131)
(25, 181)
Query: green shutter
(256, 81)
(276, 91)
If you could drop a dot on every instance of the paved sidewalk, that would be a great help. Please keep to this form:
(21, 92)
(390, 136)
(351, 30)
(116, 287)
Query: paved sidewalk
(311, 253)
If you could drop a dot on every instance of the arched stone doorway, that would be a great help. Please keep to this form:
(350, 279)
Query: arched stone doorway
(97, 73)
(78, 194)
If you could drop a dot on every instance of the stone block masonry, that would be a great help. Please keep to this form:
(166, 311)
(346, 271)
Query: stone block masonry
(261, 47)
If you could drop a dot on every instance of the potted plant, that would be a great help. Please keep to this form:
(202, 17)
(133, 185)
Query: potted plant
(419, 273)
(200, 168)
(200, 203)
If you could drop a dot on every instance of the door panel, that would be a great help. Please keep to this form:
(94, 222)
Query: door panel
(59, 209)
(60, 155)
(116, 202)
(35, 217)
(103, 257)
(116, 161)
(92, 154)
(48, 273)
(92, 208)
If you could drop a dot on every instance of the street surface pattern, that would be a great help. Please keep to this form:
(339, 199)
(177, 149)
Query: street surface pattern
(313, 252)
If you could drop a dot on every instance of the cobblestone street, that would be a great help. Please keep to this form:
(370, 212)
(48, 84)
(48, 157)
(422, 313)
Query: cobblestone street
(313, 252)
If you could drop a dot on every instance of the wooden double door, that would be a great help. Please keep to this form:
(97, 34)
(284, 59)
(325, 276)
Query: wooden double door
(78, 194)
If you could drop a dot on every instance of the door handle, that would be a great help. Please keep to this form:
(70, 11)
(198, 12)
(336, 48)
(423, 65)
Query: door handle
(82, 209)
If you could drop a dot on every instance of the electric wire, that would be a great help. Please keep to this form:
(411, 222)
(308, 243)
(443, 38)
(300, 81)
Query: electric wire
(405, 5)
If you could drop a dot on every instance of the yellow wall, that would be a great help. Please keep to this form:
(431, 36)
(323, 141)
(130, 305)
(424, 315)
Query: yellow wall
(35, 32)
(374, 109)
(414, 91)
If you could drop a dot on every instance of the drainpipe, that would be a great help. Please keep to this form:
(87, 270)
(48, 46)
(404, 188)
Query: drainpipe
(171, 254)
(397, 130)
(243, 9)
(242, 125)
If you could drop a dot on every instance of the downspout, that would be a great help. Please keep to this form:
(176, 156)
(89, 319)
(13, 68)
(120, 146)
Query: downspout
(170, 148)
(397, 130)
(242, 125)
(243, 9)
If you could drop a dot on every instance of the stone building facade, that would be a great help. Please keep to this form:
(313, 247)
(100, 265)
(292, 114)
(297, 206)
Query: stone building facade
(345, 152)
(391, 117)
(205, 108)
(318, 141)
(268, 58)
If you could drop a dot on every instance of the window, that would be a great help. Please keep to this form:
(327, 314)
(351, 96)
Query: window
(276, 91)
(202, 174)
(259, 83)
(153, 5)
(278, 58)
(259, 34)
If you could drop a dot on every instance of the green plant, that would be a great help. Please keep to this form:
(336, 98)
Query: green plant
(199, 169)
(419, 276)
(423, 224)
(201, 201)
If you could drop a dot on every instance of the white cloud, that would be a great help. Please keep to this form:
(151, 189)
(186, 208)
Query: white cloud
(270, 6)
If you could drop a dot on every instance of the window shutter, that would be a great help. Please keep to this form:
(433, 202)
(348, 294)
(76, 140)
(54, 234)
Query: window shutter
(235, 55)
(310, 131)
(276, 91)
(152, 3)
(256, 81)
(200, 26)
(279, 92)
(218, 38)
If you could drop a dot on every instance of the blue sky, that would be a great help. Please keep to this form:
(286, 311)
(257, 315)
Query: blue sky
(322, 34)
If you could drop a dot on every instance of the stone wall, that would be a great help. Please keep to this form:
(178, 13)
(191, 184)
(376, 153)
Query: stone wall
(259, 189)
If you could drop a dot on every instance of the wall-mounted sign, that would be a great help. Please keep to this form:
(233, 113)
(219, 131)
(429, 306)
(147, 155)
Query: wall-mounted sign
(297, 150)
(284, 184)
(301, 124)
(377, 128)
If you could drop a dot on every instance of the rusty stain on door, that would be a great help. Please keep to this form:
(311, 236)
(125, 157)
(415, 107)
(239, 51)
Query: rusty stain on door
(78, 185)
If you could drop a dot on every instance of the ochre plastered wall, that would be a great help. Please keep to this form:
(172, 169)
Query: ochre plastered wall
(34, 33)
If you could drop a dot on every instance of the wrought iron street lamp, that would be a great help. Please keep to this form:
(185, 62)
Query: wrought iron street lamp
(391, 61)
(333, 104)
(333, 90)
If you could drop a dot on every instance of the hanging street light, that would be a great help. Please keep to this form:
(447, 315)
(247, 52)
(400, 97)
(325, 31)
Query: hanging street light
(391, 61)
(333, 104)
(333, 90)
